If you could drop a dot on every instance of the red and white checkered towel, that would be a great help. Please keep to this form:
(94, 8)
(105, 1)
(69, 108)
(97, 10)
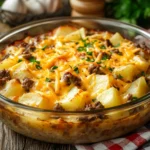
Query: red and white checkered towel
(132, 141)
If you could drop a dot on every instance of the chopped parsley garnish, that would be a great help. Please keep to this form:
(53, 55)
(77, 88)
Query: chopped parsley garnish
(119, 76)
(110, 69)
(76, 69)
(38, 67)
(94, 99)
(33, 60)
(80, 49)
(90, 60)
(99, 62)
(53, 68)
(134, 98)
(88, 45)
(47, 80)
(105, 56)
(19, 60)
(117, 45)
(102, 47)
(89, 53)
(44, 47)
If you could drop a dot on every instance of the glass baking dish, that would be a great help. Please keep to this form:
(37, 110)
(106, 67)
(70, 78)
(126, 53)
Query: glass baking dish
(78, 126)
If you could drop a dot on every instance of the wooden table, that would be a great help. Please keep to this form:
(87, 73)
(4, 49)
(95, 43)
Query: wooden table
(10, 140)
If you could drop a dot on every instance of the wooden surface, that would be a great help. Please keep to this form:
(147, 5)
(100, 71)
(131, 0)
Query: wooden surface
(10, 140)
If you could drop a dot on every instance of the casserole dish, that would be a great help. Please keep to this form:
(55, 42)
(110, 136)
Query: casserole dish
(74, 126)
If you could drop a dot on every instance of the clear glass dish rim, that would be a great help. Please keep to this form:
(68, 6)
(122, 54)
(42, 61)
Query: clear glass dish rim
(26, 26)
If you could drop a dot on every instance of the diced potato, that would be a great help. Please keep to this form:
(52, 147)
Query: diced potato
(100, 83)
(75, 99)
(77, 35)
(12, 88)
(34, 100)
(141, 63)
(63, 31)
(20, 71)
(116, 39)
(138, 88)
(7, 63)
(127, 72)
(110, 98)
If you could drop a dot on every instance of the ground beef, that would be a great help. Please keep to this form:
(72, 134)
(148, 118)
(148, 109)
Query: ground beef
(108, 43)
(6, 56)
(58, 107)
(27, 84)
(95, 106)
(94, 69)
(68, 78)
(4, 76)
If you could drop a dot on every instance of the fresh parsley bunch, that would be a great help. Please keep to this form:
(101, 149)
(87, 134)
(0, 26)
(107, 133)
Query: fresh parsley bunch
(130, 11)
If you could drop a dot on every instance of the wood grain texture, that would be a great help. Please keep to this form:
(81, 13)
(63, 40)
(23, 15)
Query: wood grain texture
(10, 140)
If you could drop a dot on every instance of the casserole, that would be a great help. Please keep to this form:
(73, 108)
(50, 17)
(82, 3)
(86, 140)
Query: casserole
(74, 126)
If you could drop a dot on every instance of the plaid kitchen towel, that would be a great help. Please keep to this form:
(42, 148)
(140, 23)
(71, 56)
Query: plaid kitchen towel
(133, 141)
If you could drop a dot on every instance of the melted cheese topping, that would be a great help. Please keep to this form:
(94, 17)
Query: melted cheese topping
(90, 58)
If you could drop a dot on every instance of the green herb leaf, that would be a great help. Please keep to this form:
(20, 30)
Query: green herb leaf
(32, 59)
(94, 99)
(89, 53)
(90, 60)
(102, 47)
(47, 80)
(44, 47)
(119, 76)
(76, 69)
(117, 45)
(134, 98)
(80, 49)
(105, 57)
(38, 67)
(19, 60)
(110, 69)
(53, 68)
(99, 62)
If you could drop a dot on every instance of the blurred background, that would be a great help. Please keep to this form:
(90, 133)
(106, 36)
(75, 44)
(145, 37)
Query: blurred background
(16, 12)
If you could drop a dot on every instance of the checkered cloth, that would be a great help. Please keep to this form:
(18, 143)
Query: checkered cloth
(133, 141)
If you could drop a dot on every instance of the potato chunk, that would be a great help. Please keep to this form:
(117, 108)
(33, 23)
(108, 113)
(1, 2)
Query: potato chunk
(75, 99)
(138, 88)
(7, 63)
(100, 83)
(20, 71)
(109, 98)
(116, 39)
(141, 63)
(63, 31)
(12, 88)
(34, 100)
(126, 72)
(75, 36)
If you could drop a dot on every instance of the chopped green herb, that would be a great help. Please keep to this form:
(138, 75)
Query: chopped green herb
(94, 99)
(117, 45)
(76, 69)
(88, 45)
(38, 67)
(142, 73)
(89, 53)
(99, 62)
(105, 56)
(90, 60)
(53, 68)
(80, 49)
(47, 80)
(44, 47)
(134, 98)
(102, 47)
(119, 76)
(32, 59)
(19, 60)
(111, 69)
